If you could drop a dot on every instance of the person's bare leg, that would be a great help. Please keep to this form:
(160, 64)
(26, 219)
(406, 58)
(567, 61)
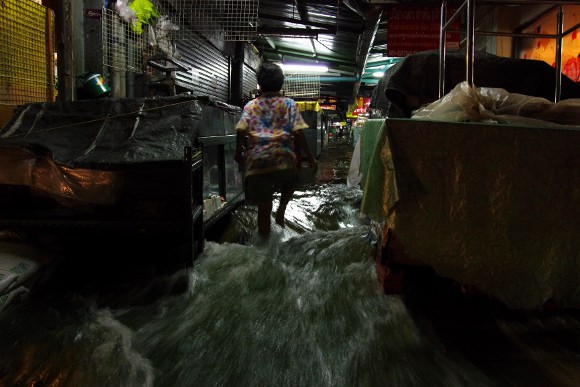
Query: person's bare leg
(264, 214)
(285, 197)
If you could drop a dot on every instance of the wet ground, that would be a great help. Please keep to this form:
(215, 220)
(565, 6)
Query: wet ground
(334, 162)
(304, 309)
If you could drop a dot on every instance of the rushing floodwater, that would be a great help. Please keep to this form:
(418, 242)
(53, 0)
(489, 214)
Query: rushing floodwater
(304, 309)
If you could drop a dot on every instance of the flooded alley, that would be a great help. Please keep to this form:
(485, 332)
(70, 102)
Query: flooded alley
(304, 309)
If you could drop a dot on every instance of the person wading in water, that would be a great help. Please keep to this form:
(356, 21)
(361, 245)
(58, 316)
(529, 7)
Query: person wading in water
(270, 125)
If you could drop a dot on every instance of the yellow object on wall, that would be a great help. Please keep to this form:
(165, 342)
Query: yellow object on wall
(308, 105)
(26, 52)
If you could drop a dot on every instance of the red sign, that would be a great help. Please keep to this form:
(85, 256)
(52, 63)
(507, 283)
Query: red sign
(414, 28)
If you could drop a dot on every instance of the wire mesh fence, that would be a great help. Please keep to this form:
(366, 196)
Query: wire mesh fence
(27, 72)
(127, 42)
(123, 48)
(228, 20)
(304, 86)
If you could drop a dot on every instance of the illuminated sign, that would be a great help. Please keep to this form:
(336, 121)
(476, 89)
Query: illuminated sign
(415, 28)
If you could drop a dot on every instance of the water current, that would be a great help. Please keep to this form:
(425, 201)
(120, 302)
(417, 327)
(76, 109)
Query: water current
(303, 309)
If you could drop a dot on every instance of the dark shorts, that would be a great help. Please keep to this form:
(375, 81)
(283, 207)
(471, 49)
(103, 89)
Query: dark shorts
(260, 188)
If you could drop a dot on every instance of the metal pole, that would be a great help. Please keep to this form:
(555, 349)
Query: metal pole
(442, 44)
(49, 27)
(66, 80)
(454, 16)
(470, 49)
(560, 29)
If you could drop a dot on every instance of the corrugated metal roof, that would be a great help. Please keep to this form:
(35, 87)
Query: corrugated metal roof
(330, 32)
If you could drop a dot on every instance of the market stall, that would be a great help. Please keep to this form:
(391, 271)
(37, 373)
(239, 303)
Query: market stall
(137, 166)
(484, 196)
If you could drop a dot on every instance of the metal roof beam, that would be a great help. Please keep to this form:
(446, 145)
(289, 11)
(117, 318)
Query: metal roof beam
(332, 28)
(295, 32)
(303, 55)
(301, 8)
(372, 20)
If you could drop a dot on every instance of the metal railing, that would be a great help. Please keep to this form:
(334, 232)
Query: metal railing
(469, 6)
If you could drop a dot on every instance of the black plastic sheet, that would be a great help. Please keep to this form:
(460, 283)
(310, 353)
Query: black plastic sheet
(91, 150)
(414, 81)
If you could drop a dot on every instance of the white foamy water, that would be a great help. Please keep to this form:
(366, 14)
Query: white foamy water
(306, 310)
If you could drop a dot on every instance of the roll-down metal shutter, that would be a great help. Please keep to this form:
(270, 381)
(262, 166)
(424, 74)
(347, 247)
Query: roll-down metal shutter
(209, 68)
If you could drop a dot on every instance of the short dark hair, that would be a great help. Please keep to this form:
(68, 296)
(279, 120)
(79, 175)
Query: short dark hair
(270, 77)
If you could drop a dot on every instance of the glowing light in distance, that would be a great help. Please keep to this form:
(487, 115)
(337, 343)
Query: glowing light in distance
(304, 68)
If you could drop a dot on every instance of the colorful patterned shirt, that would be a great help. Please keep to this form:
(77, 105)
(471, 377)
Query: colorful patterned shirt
(269, 121)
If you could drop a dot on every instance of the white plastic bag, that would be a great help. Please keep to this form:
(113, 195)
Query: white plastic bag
(485, 104)
(460, 104)
(163, 30)
(126, 13)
